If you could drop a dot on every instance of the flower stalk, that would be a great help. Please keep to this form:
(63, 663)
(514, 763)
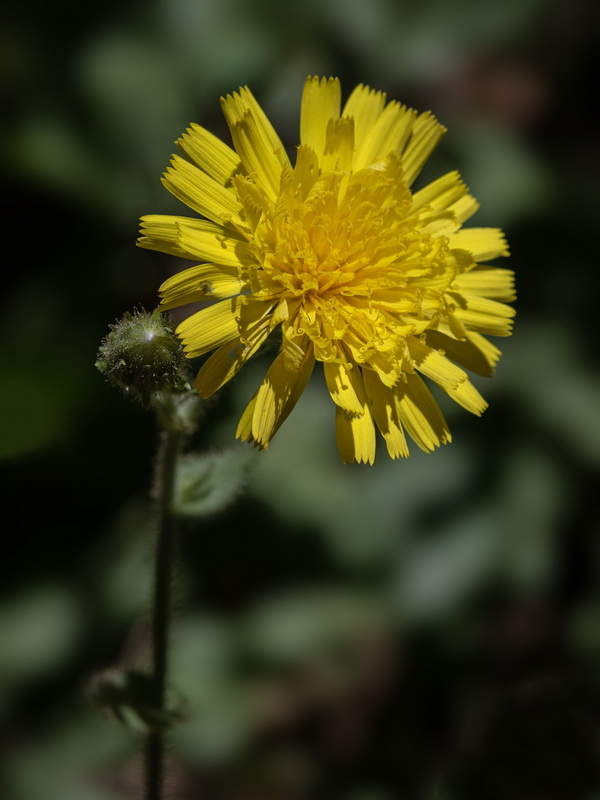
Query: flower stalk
(142, 356)
(161, 614)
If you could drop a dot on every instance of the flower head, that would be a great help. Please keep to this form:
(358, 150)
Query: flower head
(380, 284)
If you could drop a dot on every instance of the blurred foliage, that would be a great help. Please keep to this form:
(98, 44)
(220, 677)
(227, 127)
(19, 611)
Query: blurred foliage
(427, 629)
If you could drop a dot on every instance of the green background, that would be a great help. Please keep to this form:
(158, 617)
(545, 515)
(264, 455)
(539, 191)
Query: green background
(426, 629)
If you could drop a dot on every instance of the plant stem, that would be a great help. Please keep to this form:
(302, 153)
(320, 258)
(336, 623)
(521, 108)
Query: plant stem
(165, 551)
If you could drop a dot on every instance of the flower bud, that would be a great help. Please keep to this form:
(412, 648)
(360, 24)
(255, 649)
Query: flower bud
(143, 357)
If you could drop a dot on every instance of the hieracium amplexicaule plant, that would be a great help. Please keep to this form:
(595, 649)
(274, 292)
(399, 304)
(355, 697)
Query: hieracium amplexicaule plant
(382, 285)
(336, 255)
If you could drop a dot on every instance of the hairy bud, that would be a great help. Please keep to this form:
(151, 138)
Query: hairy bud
(143, 357)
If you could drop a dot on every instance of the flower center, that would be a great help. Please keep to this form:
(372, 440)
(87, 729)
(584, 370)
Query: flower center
(346, 255)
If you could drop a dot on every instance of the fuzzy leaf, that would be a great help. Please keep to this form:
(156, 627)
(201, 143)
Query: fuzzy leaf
(129, 697)
(209, 482)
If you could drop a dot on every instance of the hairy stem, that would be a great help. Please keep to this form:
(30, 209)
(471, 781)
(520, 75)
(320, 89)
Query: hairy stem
(165, 551)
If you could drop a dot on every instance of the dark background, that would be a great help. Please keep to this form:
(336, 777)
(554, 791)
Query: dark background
(426, 629)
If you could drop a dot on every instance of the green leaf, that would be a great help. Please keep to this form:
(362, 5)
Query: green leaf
(130, 697)
(209, 482)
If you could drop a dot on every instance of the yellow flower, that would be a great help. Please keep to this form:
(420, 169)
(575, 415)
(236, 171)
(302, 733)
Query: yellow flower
(380, 284)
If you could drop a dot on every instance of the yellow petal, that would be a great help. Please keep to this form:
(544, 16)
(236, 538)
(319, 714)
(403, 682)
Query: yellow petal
(346, 387)
(253, 198)
(449, 325)
(365, 105)
(489, 351)
(221, 322)
(420, 414)
(384, 409)
(321, 101)
(441, 193)
(208, 152)
(442, 223)
(210, 327)
(244, 428)
(440, 273)
(226, 362)
(212, 242)
(464, 208)
(389, 135)
(273, 395)
(434, 365)
(355, 437)
(200, 192)
(483, 243)
(258, 158)
(161, 232)
(187, 237)
(198, 283)
(468, 397)
(304, 373)
(339, 145)
(306, 171)
(474, 353)
(255, 315)
(426, 133)
(497, 284)
(482, 315)
(236, 105)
